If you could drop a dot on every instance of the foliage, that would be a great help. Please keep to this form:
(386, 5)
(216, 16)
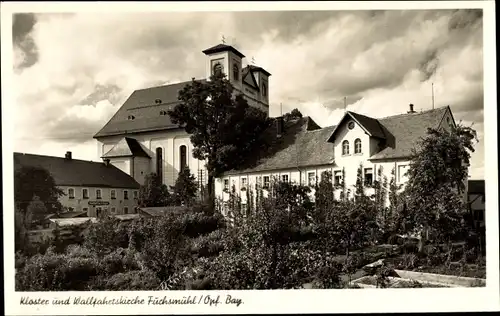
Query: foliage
(106, 235)
(294, 114)
(36, 181)
(224, 128)
(133, 281)
(324, 197)
(185, 188)
(153, 193)
(359, 191)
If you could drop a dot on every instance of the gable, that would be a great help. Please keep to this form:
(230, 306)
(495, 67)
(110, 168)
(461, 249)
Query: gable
(370, 126)
(249, 79)
(447, 120)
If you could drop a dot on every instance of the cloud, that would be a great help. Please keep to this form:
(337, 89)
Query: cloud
(81, 67)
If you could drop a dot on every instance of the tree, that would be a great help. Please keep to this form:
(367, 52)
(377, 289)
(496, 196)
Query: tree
(359, 193)
(224, 128)
(185, 188)
(36, 181)
(36, 211)
(153, 193)
(324, 196)
(435, 187)
(294, 114)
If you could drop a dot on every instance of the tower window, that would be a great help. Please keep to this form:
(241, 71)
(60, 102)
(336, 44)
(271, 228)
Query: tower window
(236, 72)
(182, 157)
(159, 164)
(345, 147)
(357, 146)
(264, 89)
(217, 68)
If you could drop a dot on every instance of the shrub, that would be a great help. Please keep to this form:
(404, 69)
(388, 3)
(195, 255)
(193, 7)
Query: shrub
(195, 224)
(106, 235)
(133, 281)
(209, 245)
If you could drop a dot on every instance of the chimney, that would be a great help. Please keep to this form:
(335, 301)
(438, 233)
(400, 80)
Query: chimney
(106, 162)
(68, 155)
(411, 109)
(279, 126)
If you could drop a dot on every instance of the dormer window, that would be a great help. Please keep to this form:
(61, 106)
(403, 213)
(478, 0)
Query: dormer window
(236, 72)
(131, 117)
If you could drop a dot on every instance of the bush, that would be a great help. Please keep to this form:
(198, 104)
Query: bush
(196, 224)
(106, 235)
(209, 245)
(133, 281)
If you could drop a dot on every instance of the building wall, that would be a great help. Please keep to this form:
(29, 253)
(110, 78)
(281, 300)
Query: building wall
(170, 142)
(80, 204)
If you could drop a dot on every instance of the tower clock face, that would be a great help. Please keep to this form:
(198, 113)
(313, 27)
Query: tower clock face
(350, 125)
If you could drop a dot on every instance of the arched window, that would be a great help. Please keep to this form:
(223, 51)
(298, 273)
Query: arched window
(159, 164)
(345, 147)
(264, 89)
(236, 72)
(357, 146)
(217, 68)
(182, 157)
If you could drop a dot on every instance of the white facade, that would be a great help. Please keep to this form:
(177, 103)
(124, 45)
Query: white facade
(94, 200)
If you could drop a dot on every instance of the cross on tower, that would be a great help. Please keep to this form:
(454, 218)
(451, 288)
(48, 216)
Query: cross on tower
(253, 60)
(223, 40)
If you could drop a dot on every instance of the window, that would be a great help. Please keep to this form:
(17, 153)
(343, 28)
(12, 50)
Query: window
(183, 156)
(85, 209)
(226, 184)
(113, 194)
(98, 194)
(85, 193)
(236, 72)
(357, 146)
(350, 125)
(368, 176)
(71, 193)
(311, 178)
(243, 183)
(284, 178)
(125, 210)
(136, 195)
(402, 177)
(264, 89)
(338, 177)
(158, 101)
(125, 194)
(131, 117)
(98, 211)
(266, 182)
(113, 210)
(345, 147)
(163, 112)
(159, 164)
(218, 68)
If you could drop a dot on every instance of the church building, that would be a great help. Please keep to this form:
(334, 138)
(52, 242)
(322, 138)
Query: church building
(140, 138)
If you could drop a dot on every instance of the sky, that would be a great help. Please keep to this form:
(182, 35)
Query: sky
(72, 72)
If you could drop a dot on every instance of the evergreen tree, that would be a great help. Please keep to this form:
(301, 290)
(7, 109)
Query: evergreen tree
(359, 193)
(153, 193)
(185, 188)
(324, 196)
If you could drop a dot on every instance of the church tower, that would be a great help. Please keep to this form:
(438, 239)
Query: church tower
(227, 59)
(251, 81)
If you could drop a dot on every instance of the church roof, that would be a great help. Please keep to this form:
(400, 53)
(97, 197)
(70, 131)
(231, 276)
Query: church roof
(303, 144)
(145, 106)
(127, 147)
(223, 48)
(73, 172)
(249, 79)
(403, 132)
(254, 68)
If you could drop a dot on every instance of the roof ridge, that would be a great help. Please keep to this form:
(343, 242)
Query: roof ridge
(171, 84)
(413, 114)
(57, 157)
